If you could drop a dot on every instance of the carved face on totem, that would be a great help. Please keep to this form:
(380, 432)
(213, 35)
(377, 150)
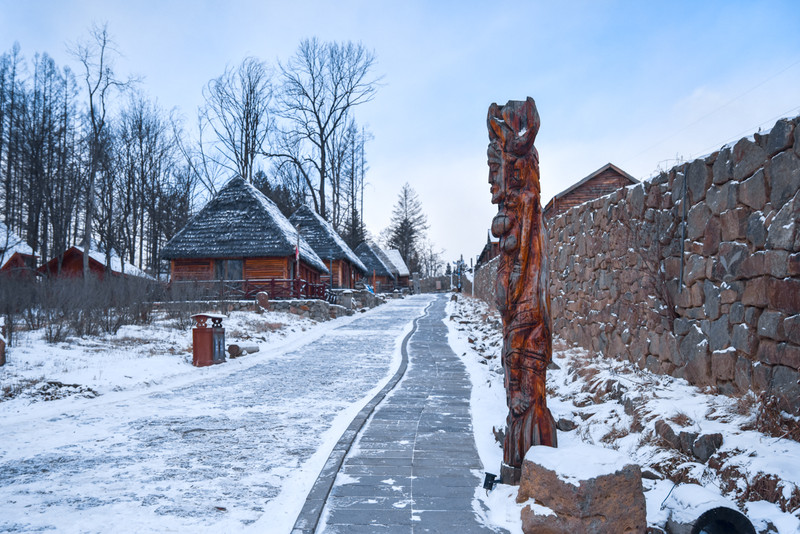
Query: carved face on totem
(512, 131)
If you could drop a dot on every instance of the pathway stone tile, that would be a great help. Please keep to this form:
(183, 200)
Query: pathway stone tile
(414, 467)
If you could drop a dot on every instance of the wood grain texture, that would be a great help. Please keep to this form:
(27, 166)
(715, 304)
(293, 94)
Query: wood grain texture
(521, 287)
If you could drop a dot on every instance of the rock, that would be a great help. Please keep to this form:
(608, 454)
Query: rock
(698, 369)
(696, 220)
(753, 191)
(695, 269)
(736, 314)
(610, 502)
(636, 200)
(784, 178)
(785, 387)
(775, 353)
(712, 300)
(757, 230)
(665, 432)
(694, 345)
(783, 295)
(718, 334)
(755, 292)
(793, 267)
(711, 237)
(791, 329)
(780, 137)
(722, 198)
(721, 169)
(566, 425)
(733, 224)
(686, 440)
(776, 263)
(747, 158)
(744, 339)
(770, 325)
(731, 256)
(743, 374)
(698, 178)
(723, 365)
(262, 299)
(783, 226)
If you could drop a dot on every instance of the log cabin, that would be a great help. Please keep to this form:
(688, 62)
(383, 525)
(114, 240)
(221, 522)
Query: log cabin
(16, 256)
(379, 274)
(345, 267)
(71, 265)
(241, 236)
(601, 182)
(400, 268)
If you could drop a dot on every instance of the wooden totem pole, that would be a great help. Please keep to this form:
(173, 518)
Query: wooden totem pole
(521, 287)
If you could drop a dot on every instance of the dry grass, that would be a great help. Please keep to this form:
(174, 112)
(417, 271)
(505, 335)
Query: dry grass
(770, 419)
(769, 488)
(613, 435)
(681, 419)
(9, 391)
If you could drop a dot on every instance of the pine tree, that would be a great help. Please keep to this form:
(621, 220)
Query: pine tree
(407, 227)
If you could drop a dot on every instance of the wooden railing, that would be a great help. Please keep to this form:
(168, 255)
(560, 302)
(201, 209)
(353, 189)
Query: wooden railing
(247, 289)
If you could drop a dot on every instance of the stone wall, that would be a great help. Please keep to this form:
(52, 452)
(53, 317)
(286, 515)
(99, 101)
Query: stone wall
(485, 281)
(429, 285)
(694, 273)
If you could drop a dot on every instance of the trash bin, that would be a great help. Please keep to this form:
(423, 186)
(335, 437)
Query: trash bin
(208, 342)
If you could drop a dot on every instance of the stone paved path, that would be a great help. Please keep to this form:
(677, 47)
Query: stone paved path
(208, 456)
(414, 467)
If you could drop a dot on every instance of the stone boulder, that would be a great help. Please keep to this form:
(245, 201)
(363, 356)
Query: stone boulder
(581, 488)
(262, 299)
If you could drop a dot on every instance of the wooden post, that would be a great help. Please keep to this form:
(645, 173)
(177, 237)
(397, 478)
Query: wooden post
(521, 286)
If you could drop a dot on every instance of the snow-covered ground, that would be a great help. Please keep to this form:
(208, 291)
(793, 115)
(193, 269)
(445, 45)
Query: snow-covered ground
(138, 440)
(616, 405)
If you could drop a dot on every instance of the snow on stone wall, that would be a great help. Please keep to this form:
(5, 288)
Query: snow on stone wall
(727, 315)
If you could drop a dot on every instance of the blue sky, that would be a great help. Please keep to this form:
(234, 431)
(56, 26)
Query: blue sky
(634, 83)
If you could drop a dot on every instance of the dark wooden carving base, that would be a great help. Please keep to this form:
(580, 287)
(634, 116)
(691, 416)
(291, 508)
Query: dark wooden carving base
(510, 475)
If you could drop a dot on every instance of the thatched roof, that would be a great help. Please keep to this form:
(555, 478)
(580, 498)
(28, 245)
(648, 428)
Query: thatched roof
(371, 257)
(240, 222)
(397, 260)
(323, 238)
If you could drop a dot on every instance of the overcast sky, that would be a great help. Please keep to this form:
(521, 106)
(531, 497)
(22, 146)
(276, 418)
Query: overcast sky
(635, 83)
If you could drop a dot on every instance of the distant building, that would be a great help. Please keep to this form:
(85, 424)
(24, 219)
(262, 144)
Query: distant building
(601, 182)
(241, 236)
(379, 274)
(490, 251)
(345, 266)
(400, 268)
(70, 264)
(16, 256)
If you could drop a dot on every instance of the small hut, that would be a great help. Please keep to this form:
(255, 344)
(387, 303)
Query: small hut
(343, 264)
(16, 256)
(490, 251)
(378, 272)
(241, 238)
(71, 265)
(400, 267)
(603, 181)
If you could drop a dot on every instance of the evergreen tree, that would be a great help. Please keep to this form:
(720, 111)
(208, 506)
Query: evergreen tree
(407, 227)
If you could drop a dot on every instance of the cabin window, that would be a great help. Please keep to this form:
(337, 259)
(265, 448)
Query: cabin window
(228, 269)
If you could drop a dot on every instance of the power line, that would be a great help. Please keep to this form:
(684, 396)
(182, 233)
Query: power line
(789, 112)
(729, 102)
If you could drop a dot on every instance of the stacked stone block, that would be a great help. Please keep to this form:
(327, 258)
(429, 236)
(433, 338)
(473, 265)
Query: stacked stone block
(694, 273)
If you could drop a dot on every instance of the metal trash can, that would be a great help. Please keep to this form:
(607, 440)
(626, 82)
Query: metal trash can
(208, 342)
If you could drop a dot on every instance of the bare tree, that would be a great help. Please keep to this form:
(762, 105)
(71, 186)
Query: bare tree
(322, 83)
(96, 55)
(237, 111)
